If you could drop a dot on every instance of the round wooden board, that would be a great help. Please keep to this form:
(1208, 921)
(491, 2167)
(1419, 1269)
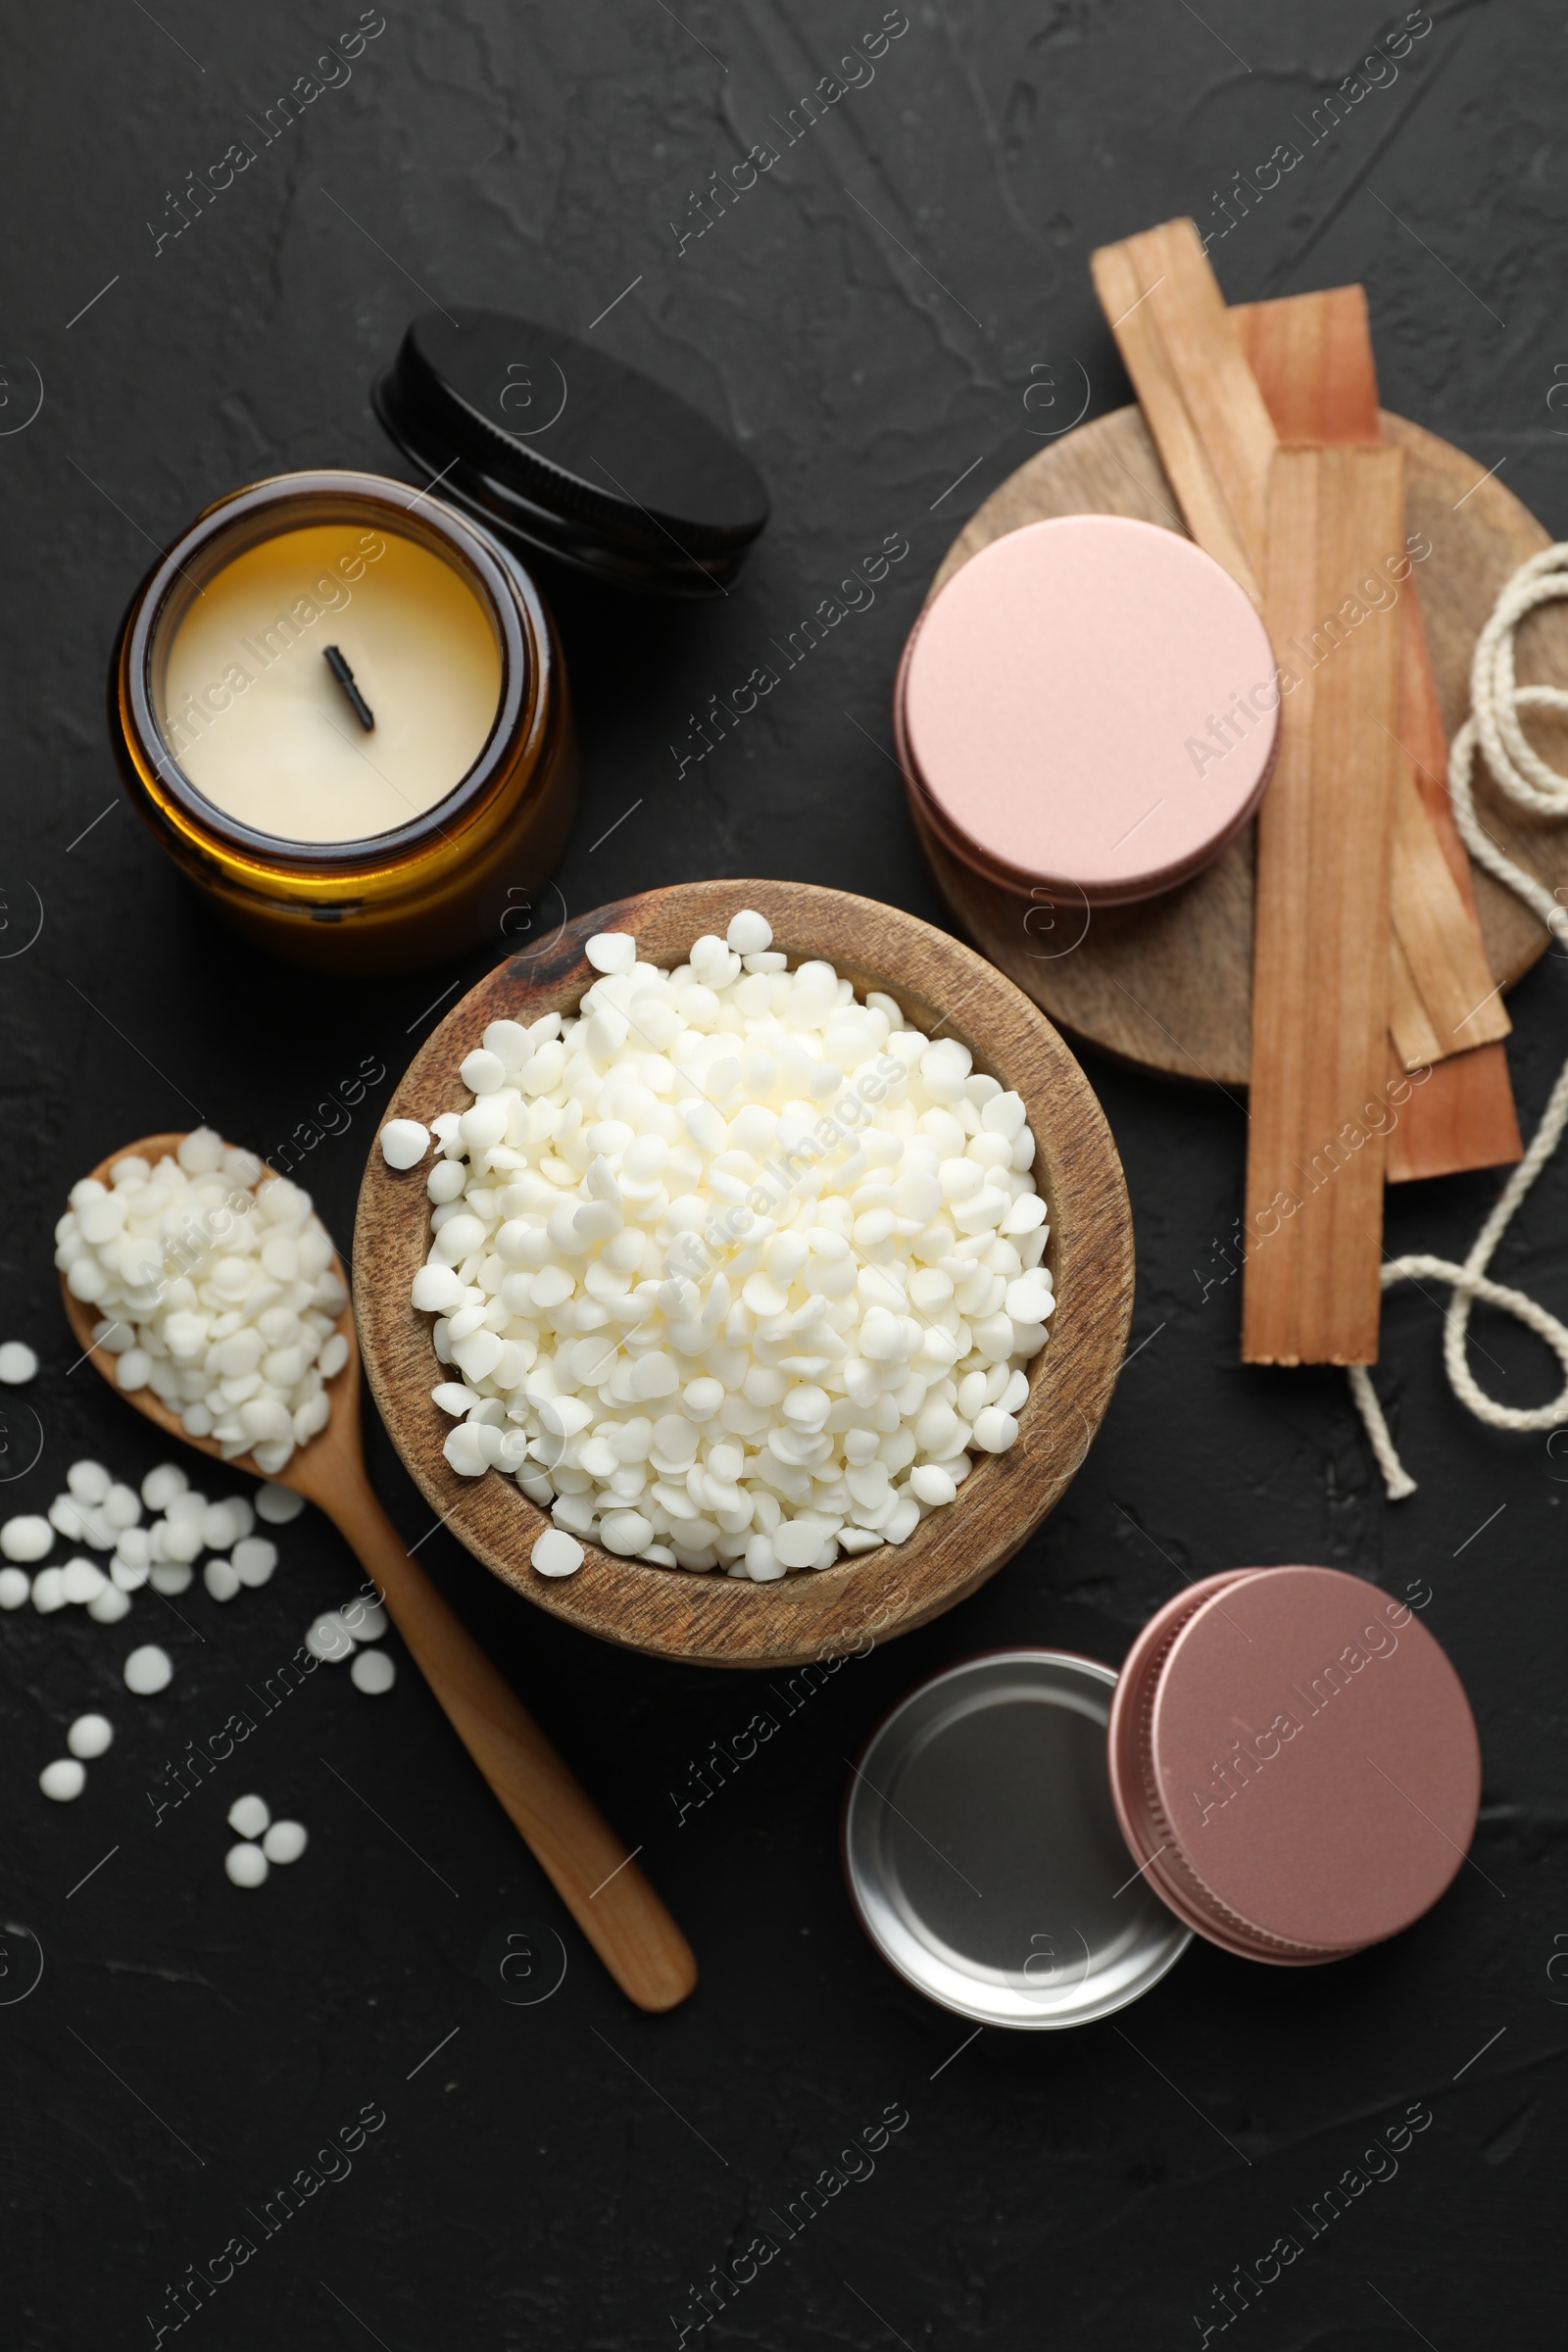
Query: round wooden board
(1168, 983)
(714, 1619)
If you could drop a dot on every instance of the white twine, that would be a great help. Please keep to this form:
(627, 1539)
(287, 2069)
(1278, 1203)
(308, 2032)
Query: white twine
(1496, 702)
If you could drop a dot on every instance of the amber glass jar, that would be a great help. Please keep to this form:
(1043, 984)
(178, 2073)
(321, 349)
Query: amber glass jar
(452, 801)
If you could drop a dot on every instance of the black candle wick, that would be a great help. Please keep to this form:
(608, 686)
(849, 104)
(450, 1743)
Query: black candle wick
(345, 678)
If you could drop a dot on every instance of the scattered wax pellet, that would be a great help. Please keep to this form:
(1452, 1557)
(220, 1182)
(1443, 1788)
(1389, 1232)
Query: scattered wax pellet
(170, 1577)
(89, 1482)
(47, 1592)
(246, 1865)
(373, 1673)
(248, 1816)
(365, 1619)
(26, 1537)
(285, 1841)
(90, 1735)
(17, 1364)
(161, 1484)
(121, 1506)
(110, 1606)
(254, 1560)
(80, 1581)
(148, 1670)
(277, 1505)
(556, 1553)
(219, 1527)
(63, 1779)
(15, 1587)
(330, 1640)
(220, 1580)
(404, 1142)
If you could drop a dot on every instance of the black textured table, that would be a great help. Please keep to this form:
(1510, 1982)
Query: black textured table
(885, 317)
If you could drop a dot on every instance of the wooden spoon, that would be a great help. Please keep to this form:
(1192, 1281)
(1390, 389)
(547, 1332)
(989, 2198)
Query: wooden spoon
(585, 1861)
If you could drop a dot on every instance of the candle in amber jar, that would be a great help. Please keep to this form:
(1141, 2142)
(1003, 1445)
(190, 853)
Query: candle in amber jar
(252, 711)
(341, 708)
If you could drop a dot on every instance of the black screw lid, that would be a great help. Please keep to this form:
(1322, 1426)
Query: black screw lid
(555, 445)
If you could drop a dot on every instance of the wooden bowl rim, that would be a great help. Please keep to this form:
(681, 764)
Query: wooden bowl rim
(714, 1619)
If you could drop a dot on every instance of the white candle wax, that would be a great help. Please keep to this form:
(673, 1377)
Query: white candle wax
(259, 724)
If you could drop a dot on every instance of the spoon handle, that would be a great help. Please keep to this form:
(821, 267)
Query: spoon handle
(579, 1852)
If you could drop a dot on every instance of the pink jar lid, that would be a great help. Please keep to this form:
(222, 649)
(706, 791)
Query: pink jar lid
(1294, 1763)
(1088, 707)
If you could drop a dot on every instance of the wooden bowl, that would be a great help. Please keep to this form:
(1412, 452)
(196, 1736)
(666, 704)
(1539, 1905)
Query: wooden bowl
(712, 1619)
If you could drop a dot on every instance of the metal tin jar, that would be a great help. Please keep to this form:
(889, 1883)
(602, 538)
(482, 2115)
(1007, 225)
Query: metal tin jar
(1287, 1765)
(1089, 707)
(417, 889)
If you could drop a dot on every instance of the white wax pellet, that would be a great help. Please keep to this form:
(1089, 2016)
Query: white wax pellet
(404, 1142)
(80, 1581)
(931, 1484)
(482, 1072)
(161, 1484)
(612, 950)
(47, 1591)
(219, 1579)
(330, 1640)
(63, 1779)
(181, 1540)
(373, 1673)
(26, 1537)
(90, 1735)
(749, 933)
(148, 1670)
(17, 1364)
(285, 1841)
(89, 1482)
(15, 1586)
(277, 1505)
(255, 1559)
(796, 1543)
(994, 1430)
(219, 1527)
(248, 1816)
(556, 1553)
(246, 1865)
(128, 1576)
(110, 1606)
(170, 1577)
(366, 1620)
(121, 1506)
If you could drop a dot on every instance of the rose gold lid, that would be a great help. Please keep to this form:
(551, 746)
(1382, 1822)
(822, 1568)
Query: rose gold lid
(1056, 706)
(1294, 1761)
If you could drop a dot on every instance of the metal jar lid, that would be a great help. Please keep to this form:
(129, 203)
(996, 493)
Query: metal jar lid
(555, 445)
(1088, 707)
(1294, 1763)
(982, 1850)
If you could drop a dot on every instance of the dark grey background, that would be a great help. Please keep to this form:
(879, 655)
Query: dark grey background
(865, 321)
